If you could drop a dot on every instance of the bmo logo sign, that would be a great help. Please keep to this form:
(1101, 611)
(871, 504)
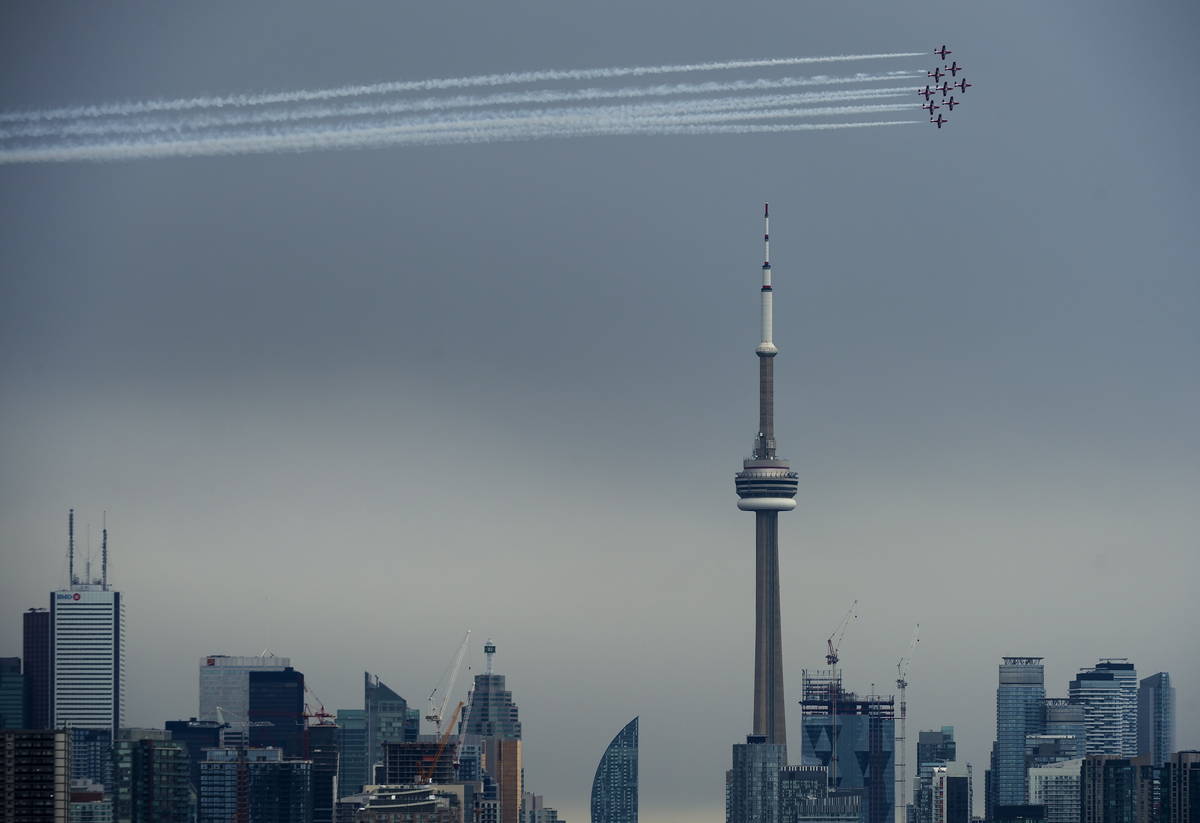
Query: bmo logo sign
(67, 596)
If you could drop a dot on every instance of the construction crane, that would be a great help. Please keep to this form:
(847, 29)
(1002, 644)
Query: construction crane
(425, 776)
(902, 684)
(436, 711)
(323, 717)
(835, 640)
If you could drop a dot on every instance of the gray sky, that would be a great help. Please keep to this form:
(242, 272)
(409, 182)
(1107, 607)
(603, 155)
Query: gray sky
(345, 405)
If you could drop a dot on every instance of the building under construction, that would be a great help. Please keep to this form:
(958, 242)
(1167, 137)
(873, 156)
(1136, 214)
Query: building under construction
(853, 737)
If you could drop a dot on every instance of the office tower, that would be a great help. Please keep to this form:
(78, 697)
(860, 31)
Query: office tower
(1108, 789)
(35, 650)
(934, 748)
(1156, 718)
(1066, 724)
(752, 785)
(91, 755)
(1182, 791)
(767, 486)
(852, 736)
(491, 711)
(1055, 787)
(389, 720)
(1020, 712)
(254, 786)
(12, 694)
(195, 736)
(952, 793)
(35, 776)
(1108, 694)
(615, 785)
(321, 747)
(352, 751)
(151, 783)
(225, 682)
(276, 710)
(504, 760)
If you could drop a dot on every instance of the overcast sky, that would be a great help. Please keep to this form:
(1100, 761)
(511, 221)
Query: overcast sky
(346, 405)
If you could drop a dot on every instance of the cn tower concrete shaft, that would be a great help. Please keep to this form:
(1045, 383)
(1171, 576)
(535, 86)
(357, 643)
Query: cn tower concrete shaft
(766, 486)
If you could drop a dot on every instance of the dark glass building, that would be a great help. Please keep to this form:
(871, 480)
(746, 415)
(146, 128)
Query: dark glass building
(321, 747)
(254, 786)
(1020, 711)
(492, 712)
(752, 785)
(150, 778)
(352, 751)
(615, 786)
(405, 763)
(35, 775)
(195, 736)
(1156, 718)
(1108, 789)
(389, 720)
(12, 694)
(36, 654)
(934, 748)
(276, 710)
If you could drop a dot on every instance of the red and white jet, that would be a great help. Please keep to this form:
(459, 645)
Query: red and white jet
(963, 85)
(931, 107)
(942, 52)
(950, 104)
(944, 88)
(925, 92)
(937, 74)
(939, 121)
(954, 69)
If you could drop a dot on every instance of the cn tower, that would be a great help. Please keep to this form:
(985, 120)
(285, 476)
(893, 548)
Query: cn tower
(766, 485)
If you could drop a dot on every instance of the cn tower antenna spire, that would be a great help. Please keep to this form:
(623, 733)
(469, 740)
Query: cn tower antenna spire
(767, 486)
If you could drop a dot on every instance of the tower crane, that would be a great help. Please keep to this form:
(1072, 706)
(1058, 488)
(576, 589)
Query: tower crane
(832, 644)
(425, 775)
(436, 711)
(902, 667)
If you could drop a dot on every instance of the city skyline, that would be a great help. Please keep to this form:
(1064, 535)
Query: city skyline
(507, 385)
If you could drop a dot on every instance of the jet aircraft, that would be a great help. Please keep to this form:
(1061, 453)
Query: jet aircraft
(945, 87)
(942, 52)
(926, 93)
(931, 107)
(963, 85)
(954, 69)
(937, 74)
(950, 104)
(939, 121)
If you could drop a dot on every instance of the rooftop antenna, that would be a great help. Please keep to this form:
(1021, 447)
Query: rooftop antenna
(71, 546)
(104, 553)
(489, 648)
(87, 567)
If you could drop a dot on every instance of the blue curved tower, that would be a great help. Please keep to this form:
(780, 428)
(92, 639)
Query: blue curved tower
(615, 787)
(766, 485)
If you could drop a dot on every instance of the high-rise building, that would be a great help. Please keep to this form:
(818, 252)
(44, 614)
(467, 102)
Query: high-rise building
(225, 683)
(934, 748)
(952, 793)
(352, 751)
(409, 763)
(615, 786)
(12, 694)
(91, 755)
(276, 710)
(1156, 718)
(35, 649)
(804, 797)
(254, 786)
(1055, 787)
(1108, 694)
(35, 776)
(195, 736)
(321, 747)
(491, 711)
(1108, 789)
(1066, 723)
(1020, 712)
(151, 783)
(766, 485)
(87, 650)
(752, 785)
(1182, 791)
(853, 737)
(389, 720)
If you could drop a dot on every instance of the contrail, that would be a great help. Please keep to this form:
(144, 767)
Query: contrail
(213, 120)
(568, 123)
(513, 78)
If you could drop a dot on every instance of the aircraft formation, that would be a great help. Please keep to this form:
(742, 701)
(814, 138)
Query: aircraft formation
(946, 88)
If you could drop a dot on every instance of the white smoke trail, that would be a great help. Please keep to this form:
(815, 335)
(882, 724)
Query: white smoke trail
(565, 124)
(512, 78)
(215, 120)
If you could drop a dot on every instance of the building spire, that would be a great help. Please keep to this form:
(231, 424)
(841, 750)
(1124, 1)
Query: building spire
(71, 546)
(104, 552)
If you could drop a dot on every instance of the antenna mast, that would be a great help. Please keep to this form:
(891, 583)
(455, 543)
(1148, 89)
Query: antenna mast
(71, 546)
(104, 553)
(901, 743)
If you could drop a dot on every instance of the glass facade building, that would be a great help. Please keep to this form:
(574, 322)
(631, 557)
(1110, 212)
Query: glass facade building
(255, 785)
(1108, 694)
(225, 682)
(1019, 712)
(12, 694)
(352, 751)
(35, 650)
(615, 785)
(1156, 718)
(934, 748)
(389, 720)
(752, 785)
(276, 711)
(151, 783)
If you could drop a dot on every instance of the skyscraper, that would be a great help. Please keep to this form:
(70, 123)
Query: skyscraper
(35, 775)
(352, 751)
(615, 786)
(254, 786)
(35, 650)
(12, 694)
(493, 716)
(1156, 718)
(752, 785)
(934, 748)
(195, 736)
(1108, 789)
(1108, 694)
(952, 793)
(767, 486)
(1019, 712)
(151, 781)
(389, 720)
(1055, 787)
(225, 683)
(276, 710)
(321, 747)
